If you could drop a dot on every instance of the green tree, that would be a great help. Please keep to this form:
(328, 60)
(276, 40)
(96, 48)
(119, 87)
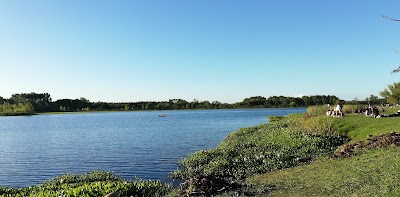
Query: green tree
(18, 108)
(40, 101)
(126, 107)
(160, 106)
(392, 93)
(216, 104)
(2, 100)
(150, 106)
(372, 100)
(178, 103)
(62, 108)
(255, 101)
(206, 104)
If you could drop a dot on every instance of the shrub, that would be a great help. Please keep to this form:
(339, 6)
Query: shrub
(347, 109)
(317, 109)
(252, 151)
(98, 183)
(307, 123)
(275, 118)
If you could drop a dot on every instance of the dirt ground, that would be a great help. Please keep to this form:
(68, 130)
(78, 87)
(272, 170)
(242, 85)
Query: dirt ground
(349, 150)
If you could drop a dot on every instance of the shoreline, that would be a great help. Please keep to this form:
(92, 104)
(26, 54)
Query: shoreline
(255, 117)
(246, 136)
(110, 111)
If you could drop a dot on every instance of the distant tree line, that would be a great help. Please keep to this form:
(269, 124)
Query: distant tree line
(42, 102)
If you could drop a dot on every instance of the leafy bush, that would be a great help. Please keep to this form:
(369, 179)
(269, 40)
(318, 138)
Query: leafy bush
(312, 124)
(317, 109)
(351, 109)
(93, 184)
(256, 150)
(275, 118)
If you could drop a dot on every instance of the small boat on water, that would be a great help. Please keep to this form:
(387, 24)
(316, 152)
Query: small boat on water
(162, 115)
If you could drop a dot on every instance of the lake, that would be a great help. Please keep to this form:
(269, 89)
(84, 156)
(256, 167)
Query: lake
(131, 144)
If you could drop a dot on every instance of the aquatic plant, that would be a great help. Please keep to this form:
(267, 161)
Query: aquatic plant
(94, 184)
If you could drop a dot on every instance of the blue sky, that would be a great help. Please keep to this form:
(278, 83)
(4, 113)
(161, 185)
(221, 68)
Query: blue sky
(118, 51)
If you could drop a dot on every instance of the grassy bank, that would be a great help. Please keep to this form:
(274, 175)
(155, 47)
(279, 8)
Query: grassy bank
(373, 172)
(360, 127)
(292, 155)
(283, 143)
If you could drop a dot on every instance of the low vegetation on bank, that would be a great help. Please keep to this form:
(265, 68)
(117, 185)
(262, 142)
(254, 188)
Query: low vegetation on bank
(299, 155)
(94, 184)
(251, 151)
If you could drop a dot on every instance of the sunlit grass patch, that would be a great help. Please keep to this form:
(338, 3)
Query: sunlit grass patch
(374, 172)
(360, 127)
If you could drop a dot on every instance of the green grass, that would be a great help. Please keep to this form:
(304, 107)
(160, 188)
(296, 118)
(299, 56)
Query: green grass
(360, 127)
(390, 110)
(374, 172)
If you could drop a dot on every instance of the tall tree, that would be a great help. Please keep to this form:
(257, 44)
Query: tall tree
(39, 101)
(392, 94)
(255, 101)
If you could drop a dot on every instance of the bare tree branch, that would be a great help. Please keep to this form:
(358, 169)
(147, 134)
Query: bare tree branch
(397, 20)
(396, 70)
(392, 19)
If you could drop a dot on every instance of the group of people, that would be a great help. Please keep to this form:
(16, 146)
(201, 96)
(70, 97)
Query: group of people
(336, 112)
(373, 112)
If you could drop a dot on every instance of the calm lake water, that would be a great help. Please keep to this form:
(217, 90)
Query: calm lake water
(37, 148)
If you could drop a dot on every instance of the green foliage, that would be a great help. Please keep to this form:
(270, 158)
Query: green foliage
(7, 109)
(374, 172)
(40, 102)
(350, 109)
(322, 109)
(257, 150)
(282, 101)
(317, 109)
(92, 185)
(320, 100)
(312, 124)
(255, 101)
(275, 118)
(392, 94)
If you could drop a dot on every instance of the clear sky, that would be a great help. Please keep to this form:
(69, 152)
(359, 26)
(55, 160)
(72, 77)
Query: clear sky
(224, 50)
